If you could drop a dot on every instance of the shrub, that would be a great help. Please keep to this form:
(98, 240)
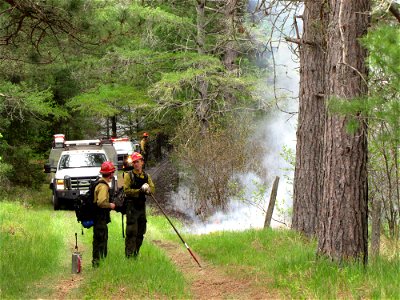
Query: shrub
(210, 162)
(27, 169)
(5, 174)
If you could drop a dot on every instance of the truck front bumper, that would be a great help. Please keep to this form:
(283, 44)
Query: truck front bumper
(67, 194)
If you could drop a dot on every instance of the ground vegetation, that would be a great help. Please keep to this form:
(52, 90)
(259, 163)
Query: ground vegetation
(189, 73)
(250, 264)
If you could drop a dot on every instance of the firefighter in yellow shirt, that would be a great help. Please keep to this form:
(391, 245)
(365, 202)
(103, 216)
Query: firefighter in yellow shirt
(102, 218)
(145, 148)
(137, 184)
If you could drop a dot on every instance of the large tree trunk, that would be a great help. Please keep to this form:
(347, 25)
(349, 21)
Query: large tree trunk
(310, 131)
(343, 228)
(114, 126)
(231, 21)
(201, 30)
(202, 108)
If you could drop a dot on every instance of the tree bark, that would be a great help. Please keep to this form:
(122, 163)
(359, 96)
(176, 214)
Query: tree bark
(202, 108)
(232, 7)
(201, 31)
(376, 227)
(114, 126)
(310, 131)
(395, 11)
(108, 127)
(343, 220)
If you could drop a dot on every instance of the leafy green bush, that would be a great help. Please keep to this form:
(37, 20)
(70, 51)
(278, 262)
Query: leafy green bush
(5, 173)
(5, 169)
(27, 170)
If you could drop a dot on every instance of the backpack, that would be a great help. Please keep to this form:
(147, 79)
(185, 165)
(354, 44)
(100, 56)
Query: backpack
(85, 208)
(119, 197)
(119, 200)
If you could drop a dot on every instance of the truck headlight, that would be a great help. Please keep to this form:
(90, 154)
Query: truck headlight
(59, 184)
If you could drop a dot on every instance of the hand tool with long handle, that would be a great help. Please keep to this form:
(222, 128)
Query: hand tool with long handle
(186, 245)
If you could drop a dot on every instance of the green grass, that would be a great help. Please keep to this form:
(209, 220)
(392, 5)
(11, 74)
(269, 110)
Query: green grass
(287, 263)
(152, 275)
(37, 243)
(30, 247)
(36, 247)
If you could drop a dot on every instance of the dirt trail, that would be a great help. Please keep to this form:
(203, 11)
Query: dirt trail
(71, 282)
(208, 282)
(65, 286)
(211, 282)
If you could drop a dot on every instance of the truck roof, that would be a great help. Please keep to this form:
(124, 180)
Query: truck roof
(83, 147)
(80, 150)
(95, 145)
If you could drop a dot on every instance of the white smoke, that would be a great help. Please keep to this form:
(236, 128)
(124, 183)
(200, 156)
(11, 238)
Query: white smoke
(278, 131)
(241, 215)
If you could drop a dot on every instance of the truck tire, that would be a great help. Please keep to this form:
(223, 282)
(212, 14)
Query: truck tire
(56, 202)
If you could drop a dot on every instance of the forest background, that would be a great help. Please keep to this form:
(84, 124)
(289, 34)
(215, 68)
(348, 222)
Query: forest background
(198, 76)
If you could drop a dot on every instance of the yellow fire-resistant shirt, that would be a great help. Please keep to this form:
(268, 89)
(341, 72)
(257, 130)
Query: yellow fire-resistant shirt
(144, 146)
(101, 194)
(135, 192)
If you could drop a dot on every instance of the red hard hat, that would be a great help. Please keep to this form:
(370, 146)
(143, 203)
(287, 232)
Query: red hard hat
(136, 156)
(107, 167)
(145, 134)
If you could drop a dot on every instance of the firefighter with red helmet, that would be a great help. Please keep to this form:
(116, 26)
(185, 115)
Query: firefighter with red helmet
(102, 218)
(145, 147)
(137, 184)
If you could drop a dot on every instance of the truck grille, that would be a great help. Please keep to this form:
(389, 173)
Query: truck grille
(121, 159)
(82, 183)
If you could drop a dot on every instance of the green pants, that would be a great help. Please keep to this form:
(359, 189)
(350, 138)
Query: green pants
(135, 229)
(100, 239)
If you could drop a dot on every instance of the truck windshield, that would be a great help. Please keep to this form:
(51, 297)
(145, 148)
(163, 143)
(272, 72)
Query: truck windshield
(82, 160)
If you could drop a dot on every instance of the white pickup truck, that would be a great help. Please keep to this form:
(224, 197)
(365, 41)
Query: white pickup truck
(124, 147)
(74, 165)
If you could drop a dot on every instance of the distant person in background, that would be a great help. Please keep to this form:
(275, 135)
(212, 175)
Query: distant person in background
(145, 148)
(137, 184)
(102, 218)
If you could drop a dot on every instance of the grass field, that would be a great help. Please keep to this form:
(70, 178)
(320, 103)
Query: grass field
(283, 260)
(37, 243)
(36, 248)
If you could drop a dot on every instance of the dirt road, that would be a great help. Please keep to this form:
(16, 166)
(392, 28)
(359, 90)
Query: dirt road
(207, 282)
(211, 282)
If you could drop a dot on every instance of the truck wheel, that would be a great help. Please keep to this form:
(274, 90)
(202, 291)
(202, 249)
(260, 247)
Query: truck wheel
(56, 202)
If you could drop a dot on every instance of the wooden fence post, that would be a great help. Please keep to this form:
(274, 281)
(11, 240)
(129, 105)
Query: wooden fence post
(271, 205)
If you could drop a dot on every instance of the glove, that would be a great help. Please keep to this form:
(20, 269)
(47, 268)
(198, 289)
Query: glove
(145, 189)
